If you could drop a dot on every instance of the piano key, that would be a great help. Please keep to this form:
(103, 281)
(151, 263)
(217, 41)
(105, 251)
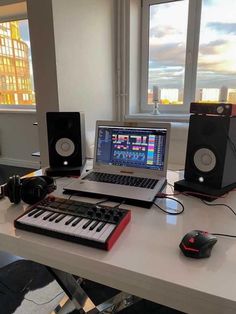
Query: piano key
(48, 216)
(87, 233)
(106, 234)
(97, 233)
(76, 221)
(34, 211)
(79, 228)
(94, 225)
(100, 227)
(59, 226)
(70, 220)
(39, 213)
(60, 218)
(54, 216)
(35, 221)
(87, 224)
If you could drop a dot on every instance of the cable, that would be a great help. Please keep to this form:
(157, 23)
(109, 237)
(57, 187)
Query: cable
(103, 201)
(220, 204)
(166, 211)
(57, 295)
(121, 203)
(224, 235)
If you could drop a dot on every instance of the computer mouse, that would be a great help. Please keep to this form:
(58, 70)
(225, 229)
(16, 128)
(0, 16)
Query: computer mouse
(197, 244)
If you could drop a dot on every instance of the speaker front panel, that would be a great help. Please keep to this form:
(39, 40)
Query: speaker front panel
(206, 149)
(64, 139)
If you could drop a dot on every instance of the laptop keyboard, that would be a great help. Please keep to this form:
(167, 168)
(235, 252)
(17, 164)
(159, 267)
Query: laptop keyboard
(123, 180)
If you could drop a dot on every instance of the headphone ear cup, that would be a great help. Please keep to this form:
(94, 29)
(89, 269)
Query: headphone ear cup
(13, 189)
(33, 190)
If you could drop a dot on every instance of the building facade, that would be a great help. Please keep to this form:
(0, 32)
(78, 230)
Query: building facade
(15, 81)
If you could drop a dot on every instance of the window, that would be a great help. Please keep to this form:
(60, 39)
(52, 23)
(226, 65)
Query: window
(16, 74)
(188, 53)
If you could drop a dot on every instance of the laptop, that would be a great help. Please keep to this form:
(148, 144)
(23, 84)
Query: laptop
(130, 162)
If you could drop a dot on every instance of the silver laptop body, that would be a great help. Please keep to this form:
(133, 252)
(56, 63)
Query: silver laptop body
(134, 149)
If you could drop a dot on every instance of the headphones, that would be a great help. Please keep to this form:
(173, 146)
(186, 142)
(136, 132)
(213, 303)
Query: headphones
(30, 190)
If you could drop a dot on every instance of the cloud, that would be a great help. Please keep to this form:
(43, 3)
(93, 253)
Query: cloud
(223, 28)
(161, 32)
(167, 55)
(213, 47)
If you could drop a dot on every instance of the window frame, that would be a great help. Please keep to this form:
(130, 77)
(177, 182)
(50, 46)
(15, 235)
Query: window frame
(191, 58)
(17, 11)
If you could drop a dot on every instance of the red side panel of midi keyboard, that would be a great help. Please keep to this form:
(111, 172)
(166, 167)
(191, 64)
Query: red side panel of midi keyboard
(116, 233)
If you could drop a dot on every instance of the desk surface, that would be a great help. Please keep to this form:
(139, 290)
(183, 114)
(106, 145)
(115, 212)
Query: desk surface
(146, 260)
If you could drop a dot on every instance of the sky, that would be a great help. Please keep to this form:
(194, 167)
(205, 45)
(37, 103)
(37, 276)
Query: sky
(217, 53)
(24, 31)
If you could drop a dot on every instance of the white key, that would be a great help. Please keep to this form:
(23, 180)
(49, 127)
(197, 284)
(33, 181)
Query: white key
(76, 229)
(44, 223)
(106, 234)
(90, 233)
(58, 226)
(32, 220)
(79, 228)
(96, 235)
(85, 233)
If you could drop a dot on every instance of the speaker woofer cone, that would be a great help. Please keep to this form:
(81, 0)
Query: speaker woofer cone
(65, 147)
(204, 160)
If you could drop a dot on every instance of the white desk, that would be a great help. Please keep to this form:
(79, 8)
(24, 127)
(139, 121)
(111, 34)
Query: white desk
(145, 260)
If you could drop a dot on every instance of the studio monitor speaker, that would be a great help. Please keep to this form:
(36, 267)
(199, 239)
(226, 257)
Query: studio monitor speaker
(210, 165)
(66, 143)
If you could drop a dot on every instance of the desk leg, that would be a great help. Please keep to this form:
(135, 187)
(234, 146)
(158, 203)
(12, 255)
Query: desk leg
(81, 300)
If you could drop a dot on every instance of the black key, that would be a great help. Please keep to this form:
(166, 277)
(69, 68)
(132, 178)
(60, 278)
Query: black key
(60, 218)
(87, 224)
(54, 216)
(101, 226)
(75, 223)
(39, 213)
(48, 215)
(70, 220)
(94, 225)
(34, 211)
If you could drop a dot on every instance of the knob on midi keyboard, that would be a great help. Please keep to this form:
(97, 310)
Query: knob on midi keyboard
(85, 223)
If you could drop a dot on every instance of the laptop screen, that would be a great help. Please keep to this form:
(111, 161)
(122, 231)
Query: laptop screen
(139, 147)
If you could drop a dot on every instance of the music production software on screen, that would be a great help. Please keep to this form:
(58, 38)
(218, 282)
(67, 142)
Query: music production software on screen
(131, 147)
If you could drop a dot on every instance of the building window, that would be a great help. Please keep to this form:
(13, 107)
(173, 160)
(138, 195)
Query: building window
(16, 74)
(188, 53)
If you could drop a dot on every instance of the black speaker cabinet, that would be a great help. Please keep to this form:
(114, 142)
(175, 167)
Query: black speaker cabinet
(210, 165)
(66, 143)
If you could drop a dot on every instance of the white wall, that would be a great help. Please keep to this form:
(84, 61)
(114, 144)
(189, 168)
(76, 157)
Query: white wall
(84, 44)
(18, 139)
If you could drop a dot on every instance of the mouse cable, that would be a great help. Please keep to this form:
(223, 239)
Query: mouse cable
(220, 204)
(162, 195)
(224, 235)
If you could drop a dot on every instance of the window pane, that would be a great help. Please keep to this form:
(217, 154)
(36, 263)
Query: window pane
(16, 75)
(216, 74)
(167, 45)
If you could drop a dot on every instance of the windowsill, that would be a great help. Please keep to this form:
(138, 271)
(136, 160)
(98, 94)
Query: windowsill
(27, 111)
(168, 117)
